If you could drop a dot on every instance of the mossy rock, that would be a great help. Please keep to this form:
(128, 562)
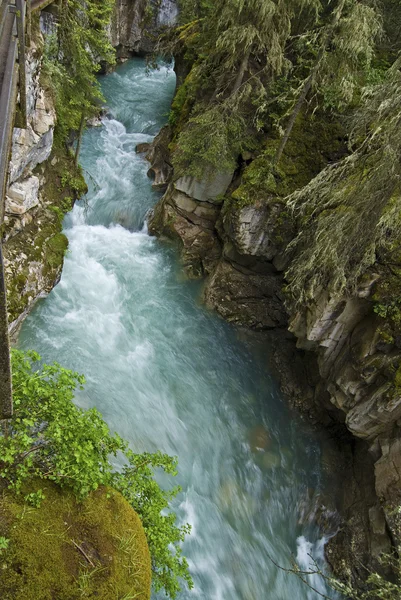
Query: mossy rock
(35, 254)
(68, 549)
(314, 142)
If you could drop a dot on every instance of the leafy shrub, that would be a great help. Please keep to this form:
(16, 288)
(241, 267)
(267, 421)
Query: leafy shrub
(52, 439)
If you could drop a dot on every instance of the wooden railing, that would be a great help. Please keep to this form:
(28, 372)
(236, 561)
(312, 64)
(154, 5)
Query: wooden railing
(14, 34)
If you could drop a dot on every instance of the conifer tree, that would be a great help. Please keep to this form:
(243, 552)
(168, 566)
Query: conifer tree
(257, 29)
(352, 208)
(73, 57)
(344, 48)
(241, 48)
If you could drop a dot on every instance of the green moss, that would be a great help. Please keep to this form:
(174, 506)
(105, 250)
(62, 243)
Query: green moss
(64, 181)
(68, 549)
(386, 334)
(56, 248)
(386, 300)
(313, 142)
(41, 241)
(183, 102)
(397, 379)
(387, 296)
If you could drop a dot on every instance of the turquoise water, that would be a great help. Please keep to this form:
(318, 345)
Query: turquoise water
(167, 374)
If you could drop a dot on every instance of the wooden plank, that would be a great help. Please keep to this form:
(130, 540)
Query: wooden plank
(7, 110)
(3, 14)
(28, 22)
(20, 5)
(8, 26)
(40, 4)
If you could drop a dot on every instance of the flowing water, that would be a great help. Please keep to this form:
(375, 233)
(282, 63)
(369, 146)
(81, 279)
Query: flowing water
(167, 13)
(167, 374)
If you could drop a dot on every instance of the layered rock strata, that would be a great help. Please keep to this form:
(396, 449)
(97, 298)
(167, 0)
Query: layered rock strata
(38, 195)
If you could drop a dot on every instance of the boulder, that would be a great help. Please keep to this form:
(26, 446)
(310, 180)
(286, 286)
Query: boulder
(207, 190)
(22, 196)
(143, 147)
(28, 150)
(253, 229)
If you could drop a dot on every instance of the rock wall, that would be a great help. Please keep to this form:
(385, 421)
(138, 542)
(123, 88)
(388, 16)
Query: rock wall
(357, 365)
(43, 180)
(135, 24)
(126, 32)
(38, 195)
(338, 375)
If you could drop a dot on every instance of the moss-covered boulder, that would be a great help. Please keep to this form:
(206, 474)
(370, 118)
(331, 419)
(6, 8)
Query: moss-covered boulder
(67, 549)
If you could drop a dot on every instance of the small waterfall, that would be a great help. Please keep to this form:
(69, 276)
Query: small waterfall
(168, 13)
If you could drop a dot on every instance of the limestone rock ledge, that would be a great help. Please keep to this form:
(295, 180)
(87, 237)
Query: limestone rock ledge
(357, 367)
(36, 200)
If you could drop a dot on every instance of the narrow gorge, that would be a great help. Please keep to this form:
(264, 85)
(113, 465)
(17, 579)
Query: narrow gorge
(223, 266)
(167, 374)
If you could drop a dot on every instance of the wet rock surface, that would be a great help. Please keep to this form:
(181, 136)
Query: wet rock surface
(135, 24)
(159, 158)
(330, 356)
(246, 298)
(36, 200)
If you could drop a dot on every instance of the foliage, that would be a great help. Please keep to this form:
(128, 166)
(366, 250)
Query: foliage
(190, 10)
(377, 586)
(4, 543)
(239, 47)
(313, 142)
(352, 208)
(72, 57)
(183, 100)
(344, 50)
(387, 295)
(259, 63)
(348, 42)
(52, 439)
(216, 152)
(136, 482)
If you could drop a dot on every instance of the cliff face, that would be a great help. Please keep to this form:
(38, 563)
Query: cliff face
(341, 373)
(38, 195)
(136, 22)
(126, 33)
(43, 179)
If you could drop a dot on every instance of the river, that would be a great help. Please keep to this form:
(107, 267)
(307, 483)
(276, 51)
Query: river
(168, 374)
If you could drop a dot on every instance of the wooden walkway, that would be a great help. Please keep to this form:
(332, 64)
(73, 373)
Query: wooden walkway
(14, 20)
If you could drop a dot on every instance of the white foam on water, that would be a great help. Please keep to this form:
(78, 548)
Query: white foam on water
(167, 374)
(310, 557)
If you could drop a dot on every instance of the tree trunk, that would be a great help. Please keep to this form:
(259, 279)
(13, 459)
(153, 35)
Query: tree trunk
(242, 69)
(79, 142)
(327, 37)
(295, 112)
(219, 84)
